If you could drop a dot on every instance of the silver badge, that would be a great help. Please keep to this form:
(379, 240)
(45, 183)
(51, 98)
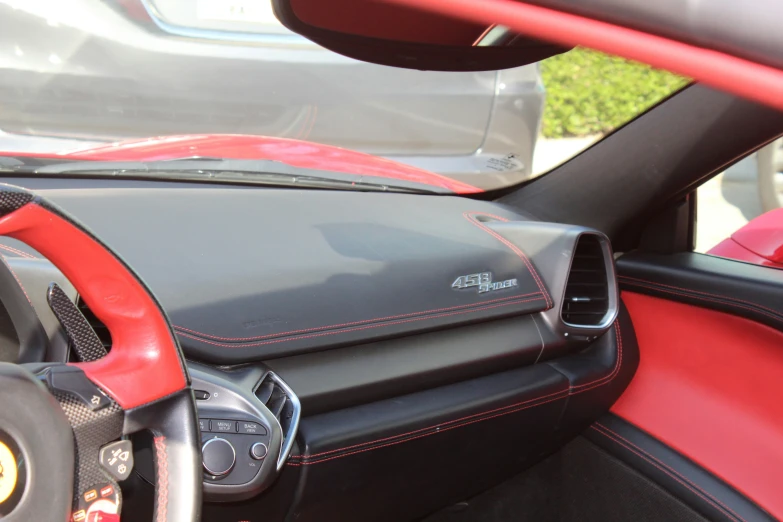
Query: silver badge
(483, 281)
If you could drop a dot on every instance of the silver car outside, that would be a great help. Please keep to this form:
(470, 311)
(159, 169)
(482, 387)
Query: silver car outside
(106, 70)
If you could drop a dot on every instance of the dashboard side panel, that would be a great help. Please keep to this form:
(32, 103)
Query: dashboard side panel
(344, 377)
(442, 445)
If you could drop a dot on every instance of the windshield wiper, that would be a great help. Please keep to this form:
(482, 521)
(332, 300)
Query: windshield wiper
(249, 172)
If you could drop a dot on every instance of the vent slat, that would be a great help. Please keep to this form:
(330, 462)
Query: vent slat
(264, 391)
(283, 403)
(276, 405)
(274, 397)
(586, 298)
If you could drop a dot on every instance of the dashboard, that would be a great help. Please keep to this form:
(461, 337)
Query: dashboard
(346, 348)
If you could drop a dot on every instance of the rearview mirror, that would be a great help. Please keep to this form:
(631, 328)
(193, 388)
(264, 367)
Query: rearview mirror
(400, 36)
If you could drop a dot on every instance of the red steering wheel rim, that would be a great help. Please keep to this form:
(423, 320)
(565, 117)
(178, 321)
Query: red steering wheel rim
(144, 372)
(145, 363)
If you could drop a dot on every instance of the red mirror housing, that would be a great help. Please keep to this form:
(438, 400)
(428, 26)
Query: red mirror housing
(759, 242)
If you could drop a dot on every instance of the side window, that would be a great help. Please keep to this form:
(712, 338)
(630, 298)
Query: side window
(740, 212)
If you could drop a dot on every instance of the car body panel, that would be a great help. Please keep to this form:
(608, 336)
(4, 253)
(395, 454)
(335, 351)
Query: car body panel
(759, 242)
(292, 152)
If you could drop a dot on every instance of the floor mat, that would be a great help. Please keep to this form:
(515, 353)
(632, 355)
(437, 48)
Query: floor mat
(579, 483)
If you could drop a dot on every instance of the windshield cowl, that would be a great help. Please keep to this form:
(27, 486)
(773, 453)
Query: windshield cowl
(295, 153)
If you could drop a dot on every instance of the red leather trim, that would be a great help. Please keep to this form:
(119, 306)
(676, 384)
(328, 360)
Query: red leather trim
(708, 385)
(144, 362)
(728, 73)
(387, 22)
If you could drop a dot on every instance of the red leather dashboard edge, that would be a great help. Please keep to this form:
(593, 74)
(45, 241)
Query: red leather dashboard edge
(708, 385)
(144, 363)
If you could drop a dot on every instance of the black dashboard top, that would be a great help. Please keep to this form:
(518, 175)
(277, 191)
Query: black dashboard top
(364, 266)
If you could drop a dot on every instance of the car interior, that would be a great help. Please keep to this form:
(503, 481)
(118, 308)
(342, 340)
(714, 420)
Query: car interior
(550, 351)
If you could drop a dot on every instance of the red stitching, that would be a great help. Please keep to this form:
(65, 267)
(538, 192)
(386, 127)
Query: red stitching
(436, 426)
(8, 265)
(391, 323)
(18, 252)
(727, 298)
(722, 301)
(163, 479)
(261, 337)
(470, 217)
(456, 423)
(610, 376)
(672, 472)
(431, 433)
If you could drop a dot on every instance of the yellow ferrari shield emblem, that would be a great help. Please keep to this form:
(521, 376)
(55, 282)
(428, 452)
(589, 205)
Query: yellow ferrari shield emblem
(7, 472)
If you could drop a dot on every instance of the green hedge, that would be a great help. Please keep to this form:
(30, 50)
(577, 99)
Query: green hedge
(588, 92)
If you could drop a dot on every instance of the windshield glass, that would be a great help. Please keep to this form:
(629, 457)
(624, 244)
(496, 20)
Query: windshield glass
(222, 79)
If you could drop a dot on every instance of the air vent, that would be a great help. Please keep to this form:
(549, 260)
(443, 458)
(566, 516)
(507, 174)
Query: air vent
(281, 401)
(586, 299)
(97, 325)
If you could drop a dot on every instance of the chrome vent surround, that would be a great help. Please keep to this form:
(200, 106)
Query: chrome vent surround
(283, 403)
(588, 300)
(97, 325)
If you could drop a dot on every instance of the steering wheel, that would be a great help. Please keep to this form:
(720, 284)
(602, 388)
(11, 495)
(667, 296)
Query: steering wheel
(67, 420)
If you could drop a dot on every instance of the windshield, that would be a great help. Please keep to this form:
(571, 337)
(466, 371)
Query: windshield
(222, 79)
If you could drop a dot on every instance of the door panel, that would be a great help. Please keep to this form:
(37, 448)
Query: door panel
(709, 378)
(700, 490)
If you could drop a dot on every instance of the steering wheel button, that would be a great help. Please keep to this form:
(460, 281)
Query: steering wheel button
(251, 428)
(223, 426)
(258, 451)
(72, 380)
(117, 459)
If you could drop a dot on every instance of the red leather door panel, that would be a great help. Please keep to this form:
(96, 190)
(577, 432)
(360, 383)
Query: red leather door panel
(710, 385)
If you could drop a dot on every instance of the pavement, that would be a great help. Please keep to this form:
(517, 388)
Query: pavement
(725, 203)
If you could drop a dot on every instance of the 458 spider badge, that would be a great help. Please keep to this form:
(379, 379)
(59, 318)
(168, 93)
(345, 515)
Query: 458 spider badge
(483, 281)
